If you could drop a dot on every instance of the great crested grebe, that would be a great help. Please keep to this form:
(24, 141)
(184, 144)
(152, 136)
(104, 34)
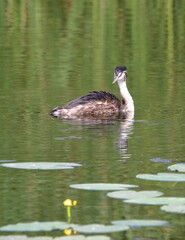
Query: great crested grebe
(100, 104)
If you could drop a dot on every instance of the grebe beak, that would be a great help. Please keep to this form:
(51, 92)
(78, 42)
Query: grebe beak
(119, 75)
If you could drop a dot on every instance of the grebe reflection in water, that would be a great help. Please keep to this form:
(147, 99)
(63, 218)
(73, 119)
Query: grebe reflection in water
(100, 104)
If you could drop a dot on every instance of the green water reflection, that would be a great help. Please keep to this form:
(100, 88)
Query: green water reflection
(54, 51)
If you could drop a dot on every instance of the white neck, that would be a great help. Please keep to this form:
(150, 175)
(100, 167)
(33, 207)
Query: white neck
(126, 97)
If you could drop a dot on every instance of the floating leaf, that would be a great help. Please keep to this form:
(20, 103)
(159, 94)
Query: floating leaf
(171, 177)
(179, 167)
(133, 194)
(40, 238)
(98, 237)
(140, 223)
(71, 237)
(157, 201)
(81, 237)
(102, 186)
(174, 208)
(160, 160)
(36, 226)
(42, 165)
(69, 137)
(100, 228)
(13, 237)
(7, 161)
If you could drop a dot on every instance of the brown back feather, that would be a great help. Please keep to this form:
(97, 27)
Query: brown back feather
(94, 96)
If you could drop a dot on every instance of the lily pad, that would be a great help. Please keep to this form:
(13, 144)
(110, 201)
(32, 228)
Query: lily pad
(102, 186)
(160, 160)
(40, 238)
(140, 223)
(42, 165)
(36, 226)
(72, 237)
(7, 161)
(171, 177)
(158, 201)
(69, 137)
(174, 208)
(14, 237)
(98, 237)
(100, 228)
(179, 167)
(133, 194)
(81, 237)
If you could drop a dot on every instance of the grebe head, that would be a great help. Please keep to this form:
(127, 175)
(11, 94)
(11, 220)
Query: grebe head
(120, 74)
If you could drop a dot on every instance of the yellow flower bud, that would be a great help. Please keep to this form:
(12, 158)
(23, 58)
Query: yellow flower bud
(74, 203)
(67, 202)
(68, 231)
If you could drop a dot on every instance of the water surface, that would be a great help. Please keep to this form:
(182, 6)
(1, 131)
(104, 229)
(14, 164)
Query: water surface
(53, 52)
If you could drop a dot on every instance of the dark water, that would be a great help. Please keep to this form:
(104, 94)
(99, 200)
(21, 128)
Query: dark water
(54, 51)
